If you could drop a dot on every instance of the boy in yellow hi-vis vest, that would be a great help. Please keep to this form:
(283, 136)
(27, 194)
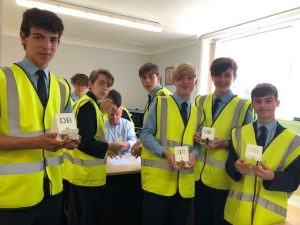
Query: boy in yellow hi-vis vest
(264, 162)
(171, 124)
(150, 79)
(30, 95)
(223, 110)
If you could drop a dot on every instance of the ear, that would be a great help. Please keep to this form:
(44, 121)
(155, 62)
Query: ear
(90, 83)
(196, 81)
(23, 38)
(278, 103)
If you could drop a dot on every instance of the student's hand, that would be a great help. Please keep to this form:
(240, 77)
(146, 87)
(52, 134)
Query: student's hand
(111, 154)
(217, 143)
(192, 159)
(171, 161)
(263, 172)
(126, 145)
(241, 167)
(48, 142)
(115, 147)
(136, 149)
(70, 143)
(197, 137)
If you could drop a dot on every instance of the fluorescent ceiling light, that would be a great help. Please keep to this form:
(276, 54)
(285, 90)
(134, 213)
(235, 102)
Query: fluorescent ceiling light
(98, 15)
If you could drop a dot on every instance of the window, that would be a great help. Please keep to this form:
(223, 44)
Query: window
(266, 55)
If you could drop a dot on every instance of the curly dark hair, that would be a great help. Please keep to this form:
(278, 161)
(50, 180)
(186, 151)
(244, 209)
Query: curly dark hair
(43, 19)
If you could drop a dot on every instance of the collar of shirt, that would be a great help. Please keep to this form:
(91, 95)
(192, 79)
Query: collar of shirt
(74, 96)
(224, 99)
(92, 96)
(179, 101)
(152, 93)
(270, 126)
(31, 68)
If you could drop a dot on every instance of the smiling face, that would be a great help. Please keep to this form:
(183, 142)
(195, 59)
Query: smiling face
(265, 107)
(40, 46)
(223, 82)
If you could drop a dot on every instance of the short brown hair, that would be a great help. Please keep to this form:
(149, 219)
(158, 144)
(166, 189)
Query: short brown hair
(220, 65)
(184, 69)
(81, 79)
(148, 68)
(264, 89)
(96, 73)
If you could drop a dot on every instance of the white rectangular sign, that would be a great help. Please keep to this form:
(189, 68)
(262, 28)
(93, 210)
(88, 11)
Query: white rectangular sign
(181, 154)
(64, 124)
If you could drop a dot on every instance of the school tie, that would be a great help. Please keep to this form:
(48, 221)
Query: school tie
(215, 106)
(183, 112)
(41, 87)
(149, 100)
(261, 140)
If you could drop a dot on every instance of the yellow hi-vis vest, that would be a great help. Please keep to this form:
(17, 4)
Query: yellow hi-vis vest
(160, 92)
(22, 115)
(157, 176)
(80, 168)
(211, 163)
(269, 207)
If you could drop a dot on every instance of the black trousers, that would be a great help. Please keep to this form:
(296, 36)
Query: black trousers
(85, 205)
(47, 212)
(162, 210)
(209, 205)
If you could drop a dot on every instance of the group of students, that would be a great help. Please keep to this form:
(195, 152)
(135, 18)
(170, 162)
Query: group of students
(224, 186)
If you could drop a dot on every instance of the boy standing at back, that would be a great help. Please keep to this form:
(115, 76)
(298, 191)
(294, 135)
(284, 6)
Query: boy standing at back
(262, 186)
(150, 79)
(149, 76)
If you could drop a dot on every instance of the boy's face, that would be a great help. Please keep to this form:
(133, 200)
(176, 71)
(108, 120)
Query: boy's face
(185, 85)
(100, 87)
(265, 107)
(80, 89)
(40, 46)
(223, 82)
(150, 81)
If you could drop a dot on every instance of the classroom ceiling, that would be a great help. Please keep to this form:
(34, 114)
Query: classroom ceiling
(183, 21)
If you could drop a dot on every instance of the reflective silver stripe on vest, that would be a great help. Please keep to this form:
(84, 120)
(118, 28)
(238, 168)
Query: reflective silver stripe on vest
(12, 102)
(163, 122)
(213, 162)
(201, 101)
(62, 95)
(156, 164)
(236, 116)
(238, 133)
(13, 105)
(271, 206)
(85, 163)
(290, 149)
(54, 160)
(22, 168)
(199, 115)
(187, 170)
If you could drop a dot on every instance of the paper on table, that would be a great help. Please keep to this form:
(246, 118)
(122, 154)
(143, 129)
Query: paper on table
(118, 161)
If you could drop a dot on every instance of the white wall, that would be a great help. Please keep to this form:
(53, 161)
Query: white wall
(189, 54)
(71, 59)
